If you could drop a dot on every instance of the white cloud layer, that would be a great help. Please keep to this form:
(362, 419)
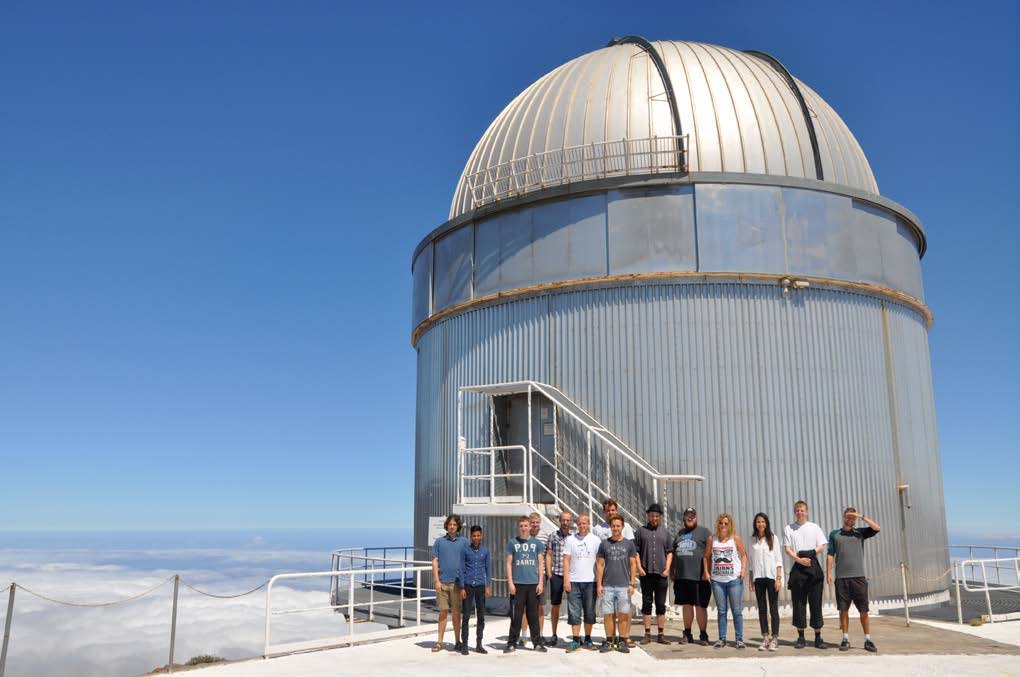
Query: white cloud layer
(55, 640)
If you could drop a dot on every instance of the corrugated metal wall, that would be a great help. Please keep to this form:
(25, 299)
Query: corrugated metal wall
(772, 399)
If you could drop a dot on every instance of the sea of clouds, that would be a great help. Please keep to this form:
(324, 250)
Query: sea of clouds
(49, 639)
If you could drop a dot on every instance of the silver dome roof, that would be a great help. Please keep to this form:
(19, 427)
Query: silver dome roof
(738, 110)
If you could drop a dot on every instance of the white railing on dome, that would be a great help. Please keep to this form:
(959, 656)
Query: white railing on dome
(624, 157)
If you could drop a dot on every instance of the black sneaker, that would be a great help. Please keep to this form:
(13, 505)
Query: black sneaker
(464, 649)
(479, 648)
(606, 647)
(844, 645)
(520, 642)
(800, 643)
(687, 637)
(510, 648)
(820, 643)
(702, 639)
(540, 647)
(870, 646)
(553, 641)
(457, 647)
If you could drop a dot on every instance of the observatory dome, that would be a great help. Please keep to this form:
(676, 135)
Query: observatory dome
(741, 112)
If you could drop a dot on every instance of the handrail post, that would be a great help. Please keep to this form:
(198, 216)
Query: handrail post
(173, 625)
(417, 599)
(7, 629)
(492, 476)
(591, 495)
(403, 579)
(988, 596)
(371, 595)
(350, 608)
(959, 603)
(528, 490)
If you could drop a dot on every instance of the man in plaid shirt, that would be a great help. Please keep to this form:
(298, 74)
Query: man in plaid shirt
(554, 565)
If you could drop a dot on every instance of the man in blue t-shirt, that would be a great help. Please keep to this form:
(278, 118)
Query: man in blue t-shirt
(525, 571)
(446, 558)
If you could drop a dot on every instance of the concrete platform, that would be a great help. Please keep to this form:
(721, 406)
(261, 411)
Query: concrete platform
(891, 635)
(936, 650)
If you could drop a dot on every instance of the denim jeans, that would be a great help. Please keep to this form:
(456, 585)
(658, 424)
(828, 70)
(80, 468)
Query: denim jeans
(728, 596)
(581, 603)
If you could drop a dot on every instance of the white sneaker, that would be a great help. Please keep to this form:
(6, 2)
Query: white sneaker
(774, 644)
(764, 644)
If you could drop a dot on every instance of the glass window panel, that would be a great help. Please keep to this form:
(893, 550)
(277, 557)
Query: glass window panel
(452, 269)
(900, 261)
(651, 230)
(487, 256)
(516, 268)
(867, 224)
(421, 274)
(739, 228)
(570, 239)
(819, 234)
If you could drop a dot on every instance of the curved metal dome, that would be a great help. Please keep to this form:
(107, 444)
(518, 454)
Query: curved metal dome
(741, 111)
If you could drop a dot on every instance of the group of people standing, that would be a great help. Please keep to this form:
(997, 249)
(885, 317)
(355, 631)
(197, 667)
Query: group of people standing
(606, 562)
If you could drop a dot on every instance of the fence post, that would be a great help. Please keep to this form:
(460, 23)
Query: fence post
(7, 630)
(173, 625)
(906, 603)
(959, 603)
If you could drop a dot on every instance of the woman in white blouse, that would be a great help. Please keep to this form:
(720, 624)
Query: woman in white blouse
(766, 578)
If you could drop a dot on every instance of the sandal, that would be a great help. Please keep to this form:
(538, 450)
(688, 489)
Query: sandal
(437, 648)
(630, 643)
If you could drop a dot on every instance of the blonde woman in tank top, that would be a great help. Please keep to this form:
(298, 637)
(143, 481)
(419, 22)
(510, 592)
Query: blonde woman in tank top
(725, 567)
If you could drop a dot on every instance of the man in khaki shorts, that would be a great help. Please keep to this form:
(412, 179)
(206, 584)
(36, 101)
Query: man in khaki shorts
(446, 558)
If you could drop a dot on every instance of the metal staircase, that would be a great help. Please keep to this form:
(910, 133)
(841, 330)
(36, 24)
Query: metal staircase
(585, 465)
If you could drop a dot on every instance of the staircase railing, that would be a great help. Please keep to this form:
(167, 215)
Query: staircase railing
(578, 482)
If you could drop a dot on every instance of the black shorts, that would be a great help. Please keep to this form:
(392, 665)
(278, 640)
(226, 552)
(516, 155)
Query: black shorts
(697, 593)
(852, 590)
(556, 590)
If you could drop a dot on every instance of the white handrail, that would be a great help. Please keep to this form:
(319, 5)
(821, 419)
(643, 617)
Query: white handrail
(986, 588)
(350, 605)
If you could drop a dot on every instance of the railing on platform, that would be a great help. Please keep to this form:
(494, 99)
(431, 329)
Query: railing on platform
(353, 577)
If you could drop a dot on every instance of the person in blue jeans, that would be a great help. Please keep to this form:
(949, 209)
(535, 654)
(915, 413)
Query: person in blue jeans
(725, 567)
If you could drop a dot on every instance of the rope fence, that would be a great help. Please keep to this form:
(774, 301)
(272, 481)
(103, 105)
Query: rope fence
(177, 580)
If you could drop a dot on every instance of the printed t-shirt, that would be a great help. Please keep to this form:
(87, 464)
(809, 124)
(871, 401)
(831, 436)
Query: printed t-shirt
(525, 558)
(617, 556)
(689, 553)
(583, 552)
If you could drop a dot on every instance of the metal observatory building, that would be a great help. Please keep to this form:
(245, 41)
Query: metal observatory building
(668, 274)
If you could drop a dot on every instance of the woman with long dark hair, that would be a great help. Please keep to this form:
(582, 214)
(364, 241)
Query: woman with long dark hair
(766, 578)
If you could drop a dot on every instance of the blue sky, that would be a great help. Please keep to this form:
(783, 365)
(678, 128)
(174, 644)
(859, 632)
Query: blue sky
(207, 213)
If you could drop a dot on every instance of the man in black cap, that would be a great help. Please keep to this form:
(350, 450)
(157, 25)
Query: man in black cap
(655, 557)
(690, 589)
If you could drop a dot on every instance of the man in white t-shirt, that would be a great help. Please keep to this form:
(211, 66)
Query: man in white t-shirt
(804, 541)
(579, 552)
